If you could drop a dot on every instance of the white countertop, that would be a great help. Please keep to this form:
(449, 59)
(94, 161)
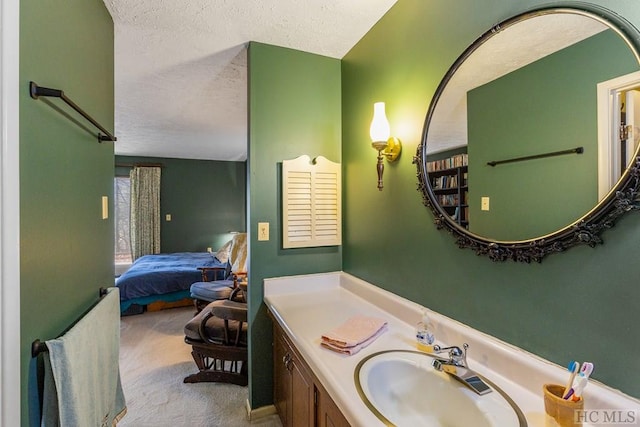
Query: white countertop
(309, 305)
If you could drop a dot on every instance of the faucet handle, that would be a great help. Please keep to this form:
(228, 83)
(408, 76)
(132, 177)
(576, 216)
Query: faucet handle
(455, 351)
(457, 356)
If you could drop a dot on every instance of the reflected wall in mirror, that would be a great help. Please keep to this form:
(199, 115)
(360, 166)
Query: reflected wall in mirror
(549, 81)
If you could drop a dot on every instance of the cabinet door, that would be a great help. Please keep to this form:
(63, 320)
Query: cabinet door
(281, 378)
(302, 407)
(328, 413)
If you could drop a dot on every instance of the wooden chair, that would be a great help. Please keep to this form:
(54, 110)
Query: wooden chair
(207, 290)
(218, 338)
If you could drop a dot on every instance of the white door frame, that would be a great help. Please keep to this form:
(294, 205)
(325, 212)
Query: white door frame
(608, 93)
(632, 113)
(10, 395)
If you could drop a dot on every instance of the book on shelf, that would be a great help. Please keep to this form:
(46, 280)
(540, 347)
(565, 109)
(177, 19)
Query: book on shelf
(457, 161)
(448, 199)
(446, 181)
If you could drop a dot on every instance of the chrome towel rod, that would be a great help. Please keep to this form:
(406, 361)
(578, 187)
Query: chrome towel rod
(36, 91)
(38, 346)
(577, 150)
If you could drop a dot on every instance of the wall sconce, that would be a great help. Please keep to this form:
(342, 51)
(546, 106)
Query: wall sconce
(386, 146)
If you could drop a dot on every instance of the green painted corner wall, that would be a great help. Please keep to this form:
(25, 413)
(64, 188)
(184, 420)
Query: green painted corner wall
(66, 248)
(294, 109)
(206, 200)
(576, 305)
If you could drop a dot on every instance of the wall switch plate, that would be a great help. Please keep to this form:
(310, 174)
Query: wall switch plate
(263, 231)
(484, 203)
(167, 217)
(105, 207)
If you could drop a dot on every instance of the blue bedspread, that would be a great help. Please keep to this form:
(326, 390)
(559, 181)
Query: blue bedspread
(164, 273)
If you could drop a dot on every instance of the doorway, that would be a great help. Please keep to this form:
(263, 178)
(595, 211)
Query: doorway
(618, 128)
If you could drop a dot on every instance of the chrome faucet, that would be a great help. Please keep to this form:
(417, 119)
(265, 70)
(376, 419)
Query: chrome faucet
(457, 367)
(457, 356)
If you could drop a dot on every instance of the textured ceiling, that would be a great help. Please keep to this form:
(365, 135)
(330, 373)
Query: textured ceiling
(504, 52)
(181, 67)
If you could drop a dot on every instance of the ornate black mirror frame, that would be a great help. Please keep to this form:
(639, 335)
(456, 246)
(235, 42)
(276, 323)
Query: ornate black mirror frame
(587, 229)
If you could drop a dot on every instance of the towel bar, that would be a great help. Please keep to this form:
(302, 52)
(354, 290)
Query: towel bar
(577, 150)
(38, 346)
(36, 91)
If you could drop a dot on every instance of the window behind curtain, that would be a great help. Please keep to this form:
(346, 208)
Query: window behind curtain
(122, 192)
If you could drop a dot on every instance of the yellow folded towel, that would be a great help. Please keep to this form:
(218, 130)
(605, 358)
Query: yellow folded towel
(354, 334)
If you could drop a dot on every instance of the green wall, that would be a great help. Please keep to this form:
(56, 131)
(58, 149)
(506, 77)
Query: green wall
(578, 305)
(505, 120)
(66, 247)
(294, 109)
(206, 200)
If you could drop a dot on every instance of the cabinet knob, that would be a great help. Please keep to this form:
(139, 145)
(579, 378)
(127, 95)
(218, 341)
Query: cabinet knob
(286, 360)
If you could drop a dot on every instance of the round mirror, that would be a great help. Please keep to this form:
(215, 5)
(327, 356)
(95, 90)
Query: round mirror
(530, 143)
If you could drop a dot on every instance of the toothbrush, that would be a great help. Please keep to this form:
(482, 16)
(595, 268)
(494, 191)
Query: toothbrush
(573, 367)
(578, 387)
(580, 382)
(587, 368)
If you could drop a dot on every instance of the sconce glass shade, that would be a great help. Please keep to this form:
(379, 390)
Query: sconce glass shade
(379, 130)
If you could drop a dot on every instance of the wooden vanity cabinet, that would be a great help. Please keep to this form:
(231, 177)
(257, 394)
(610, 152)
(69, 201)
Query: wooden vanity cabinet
(298, 395)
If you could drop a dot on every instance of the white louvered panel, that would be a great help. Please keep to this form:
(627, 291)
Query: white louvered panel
(311, 203)
(326, 208)
(299, 215)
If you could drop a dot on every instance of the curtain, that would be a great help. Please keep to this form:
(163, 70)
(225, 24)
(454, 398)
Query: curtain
(145, 211)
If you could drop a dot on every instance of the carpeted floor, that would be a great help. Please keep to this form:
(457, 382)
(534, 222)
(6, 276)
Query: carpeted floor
(153, 362)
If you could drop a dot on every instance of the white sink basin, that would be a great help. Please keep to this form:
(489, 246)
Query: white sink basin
(403, 389)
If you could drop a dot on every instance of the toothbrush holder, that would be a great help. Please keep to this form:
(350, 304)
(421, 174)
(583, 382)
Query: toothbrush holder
(562, 411)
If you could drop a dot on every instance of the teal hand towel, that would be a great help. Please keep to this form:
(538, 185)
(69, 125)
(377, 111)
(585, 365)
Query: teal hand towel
(82, 372)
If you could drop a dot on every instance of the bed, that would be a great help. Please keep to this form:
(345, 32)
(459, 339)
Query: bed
(162, 277)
